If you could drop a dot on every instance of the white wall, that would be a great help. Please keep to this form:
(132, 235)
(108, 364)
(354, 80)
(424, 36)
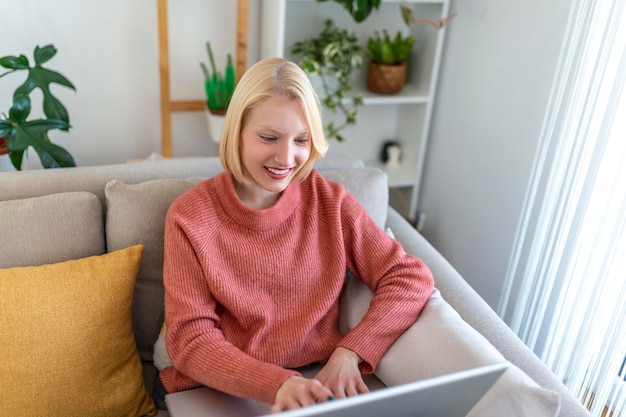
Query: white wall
(109, 50)
(497, 70)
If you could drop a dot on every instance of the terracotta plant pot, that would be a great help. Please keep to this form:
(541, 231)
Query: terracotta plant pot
(3, 145)
(385, 79)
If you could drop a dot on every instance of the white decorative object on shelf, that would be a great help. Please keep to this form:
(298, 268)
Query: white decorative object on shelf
(393, 157)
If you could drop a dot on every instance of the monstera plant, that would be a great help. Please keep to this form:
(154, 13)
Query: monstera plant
(17, 132)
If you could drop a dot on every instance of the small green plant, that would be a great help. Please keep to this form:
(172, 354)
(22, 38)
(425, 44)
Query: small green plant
(335, 53)
(219, 88)
(18, 132)
(384, 50)
(358, 9)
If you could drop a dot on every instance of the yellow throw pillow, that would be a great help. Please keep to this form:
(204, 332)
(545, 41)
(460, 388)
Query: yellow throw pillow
(67, 340)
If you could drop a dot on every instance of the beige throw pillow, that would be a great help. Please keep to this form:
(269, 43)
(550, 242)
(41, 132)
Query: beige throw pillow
(368, 186)
(441, 342)
(50, 228)
(136, 214)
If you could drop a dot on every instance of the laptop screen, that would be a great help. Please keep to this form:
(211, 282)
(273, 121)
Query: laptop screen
(452, 395)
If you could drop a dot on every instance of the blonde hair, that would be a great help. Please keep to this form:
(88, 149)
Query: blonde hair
(267, 78)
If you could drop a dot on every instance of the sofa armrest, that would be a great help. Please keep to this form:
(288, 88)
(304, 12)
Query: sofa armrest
(478, 314)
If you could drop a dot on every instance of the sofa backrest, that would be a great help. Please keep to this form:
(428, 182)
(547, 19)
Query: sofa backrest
(34, 183)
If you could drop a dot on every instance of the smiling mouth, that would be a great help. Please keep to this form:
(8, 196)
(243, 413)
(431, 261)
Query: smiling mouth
(280, 172)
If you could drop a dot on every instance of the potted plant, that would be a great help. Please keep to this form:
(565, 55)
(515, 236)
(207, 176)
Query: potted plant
(219, 89)
(386, 71)
(333, 56)
(17, 132)
(358, 9)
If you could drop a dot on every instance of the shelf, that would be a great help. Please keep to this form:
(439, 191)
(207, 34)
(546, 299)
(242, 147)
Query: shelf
(410, 94)
(403, 117)
(403, 176)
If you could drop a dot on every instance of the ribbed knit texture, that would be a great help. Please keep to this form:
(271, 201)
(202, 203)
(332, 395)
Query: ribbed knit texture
(249, 293)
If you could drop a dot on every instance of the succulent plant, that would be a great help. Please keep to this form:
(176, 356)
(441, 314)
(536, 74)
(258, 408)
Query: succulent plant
(218, 87)
(382, 49)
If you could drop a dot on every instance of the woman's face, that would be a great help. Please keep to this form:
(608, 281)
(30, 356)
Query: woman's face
(275, 144)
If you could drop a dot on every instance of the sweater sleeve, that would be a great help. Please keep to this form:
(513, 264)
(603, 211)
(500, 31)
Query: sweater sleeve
(199, 351)
(402, 284)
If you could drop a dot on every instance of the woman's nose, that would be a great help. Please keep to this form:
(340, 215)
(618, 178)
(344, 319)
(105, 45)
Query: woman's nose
(285, 154)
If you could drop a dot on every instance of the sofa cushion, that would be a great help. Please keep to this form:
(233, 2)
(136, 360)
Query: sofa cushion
(368, 186)
(67, 342)
(33, 228)
(441, 342)
(136, 214)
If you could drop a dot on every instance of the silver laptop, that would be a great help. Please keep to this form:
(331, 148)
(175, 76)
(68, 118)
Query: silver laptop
(452, 395)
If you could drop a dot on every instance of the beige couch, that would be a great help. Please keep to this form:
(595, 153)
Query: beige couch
(59, 215)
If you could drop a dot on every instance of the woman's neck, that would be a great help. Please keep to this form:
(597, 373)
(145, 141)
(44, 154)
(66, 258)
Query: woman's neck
(254, 197)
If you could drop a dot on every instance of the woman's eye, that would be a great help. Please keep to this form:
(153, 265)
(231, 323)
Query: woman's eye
(268, 138)
(302, 141)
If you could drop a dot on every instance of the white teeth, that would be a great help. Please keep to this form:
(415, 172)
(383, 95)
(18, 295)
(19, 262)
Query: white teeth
(278, 171)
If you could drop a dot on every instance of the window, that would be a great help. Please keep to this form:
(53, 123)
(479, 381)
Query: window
(566, 283)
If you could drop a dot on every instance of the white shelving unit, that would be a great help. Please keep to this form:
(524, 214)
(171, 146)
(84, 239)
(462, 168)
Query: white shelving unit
(404, 117)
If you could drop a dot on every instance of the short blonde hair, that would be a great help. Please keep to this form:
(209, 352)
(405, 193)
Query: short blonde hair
(267, 78)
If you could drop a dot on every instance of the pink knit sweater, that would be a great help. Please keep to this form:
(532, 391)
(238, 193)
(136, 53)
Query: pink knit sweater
(251, 293)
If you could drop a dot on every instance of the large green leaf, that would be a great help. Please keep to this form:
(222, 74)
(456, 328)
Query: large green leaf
(14, 62)
(41, 78)
(43, 55)
(54, 156)
(20, 109)
(16, 159)
(31, 133)
(5, 128)
(35, 133)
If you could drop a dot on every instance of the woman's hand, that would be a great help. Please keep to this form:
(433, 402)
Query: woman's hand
(298, 392)
(341, 374)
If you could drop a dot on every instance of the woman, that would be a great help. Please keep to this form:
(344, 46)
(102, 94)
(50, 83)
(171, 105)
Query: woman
(255, 260)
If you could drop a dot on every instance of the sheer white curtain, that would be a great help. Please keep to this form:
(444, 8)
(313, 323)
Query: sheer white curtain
(565, 293)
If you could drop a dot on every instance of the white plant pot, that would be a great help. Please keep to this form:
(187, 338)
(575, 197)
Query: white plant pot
(215, 124)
